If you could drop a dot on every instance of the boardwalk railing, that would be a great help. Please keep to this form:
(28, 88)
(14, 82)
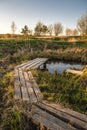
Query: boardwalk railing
(52, 116)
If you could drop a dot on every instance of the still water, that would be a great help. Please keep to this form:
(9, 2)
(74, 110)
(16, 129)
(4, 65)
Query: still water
(60, 67)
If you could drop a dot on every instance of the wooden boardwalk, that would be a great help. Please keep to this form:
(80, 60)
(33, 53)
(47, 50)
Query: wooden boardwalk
(50, 115)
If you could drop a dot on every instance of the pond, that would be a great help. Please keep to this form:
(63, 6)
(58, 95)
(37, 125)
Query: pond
(60, 67)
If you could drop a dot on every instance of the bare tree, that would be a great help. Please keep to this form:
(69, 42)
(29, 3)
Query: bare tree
(38, 28)
(50, 29)
(74, 32)
(82, 25)
(68, 32)
(25, 31)
(13, 27)
(58, 28)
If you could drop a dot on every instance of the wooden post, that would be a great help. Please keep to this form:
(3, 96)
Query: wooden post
(44, 66)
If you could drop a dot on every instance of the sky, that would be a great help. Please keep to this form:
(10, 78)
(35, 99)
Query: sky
(29, 12)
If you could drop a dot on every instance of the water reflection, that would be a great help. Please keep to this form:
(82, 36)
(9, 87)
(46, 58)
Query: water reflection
(60, 67)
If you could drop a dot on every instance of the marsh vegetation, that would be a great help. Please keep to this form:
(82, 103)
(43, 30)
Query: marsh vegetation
(67, 89)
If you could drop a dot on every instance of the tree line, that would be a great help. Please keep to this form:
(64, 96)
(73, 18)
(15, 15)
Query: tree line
(55, 29)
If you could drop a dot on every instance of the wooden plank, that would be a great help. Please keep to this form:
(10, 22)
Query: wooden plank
(25, 95)
(35, 87)
(19, 66)
(46, 123)
(39, 64)
(39, 61)
(37, 91)
(17, 85)
(26, 63)
(66, 110)
(36, 62)
(78, 72)
(30, 75)
(30, 63)
(68, 118)
(52, 119)
(30, 89)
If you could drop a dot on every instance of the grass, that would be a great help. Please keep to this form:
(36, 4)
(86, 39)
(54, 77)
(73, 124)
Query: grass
(16, 51)
(67, 89)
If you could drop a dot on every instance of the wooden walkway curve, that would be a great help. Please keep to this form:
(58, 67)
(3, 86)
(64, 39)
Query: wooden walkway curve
(51, 115)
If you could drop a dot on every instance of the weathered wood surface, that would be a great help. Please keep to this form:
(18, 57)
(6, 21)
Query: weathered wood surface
(50, 119)
(46, 123)
(17, 88)
(25, 88)
(30, 88)
(26, 63)
(25, 95)
(66, 110)
(78, 72)
(50, 115)
(31, 63)
(35, 87)
(66, 117)
(38, 63)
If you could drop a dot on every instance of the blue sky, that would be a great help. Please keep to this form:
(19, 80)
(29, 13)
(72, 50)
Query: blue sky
(29, 12)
